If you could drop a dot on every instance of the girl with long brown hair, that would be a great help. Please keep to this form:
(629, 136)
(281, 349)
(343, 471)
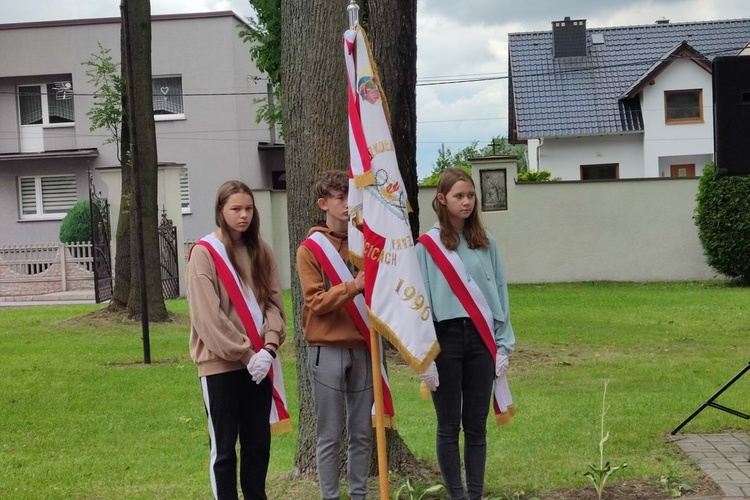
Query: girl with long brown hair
(237, 324)
(466, 286)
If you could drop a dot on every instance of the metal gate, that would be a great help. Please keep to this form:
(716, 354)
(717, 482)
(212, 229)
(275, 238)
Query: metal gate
(170, 278)
(100, 244)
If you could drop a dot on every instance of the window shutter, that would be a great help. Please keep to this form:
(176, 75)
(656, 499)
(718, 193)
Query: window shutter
(59, 193)
(28, 196)
(184, 191)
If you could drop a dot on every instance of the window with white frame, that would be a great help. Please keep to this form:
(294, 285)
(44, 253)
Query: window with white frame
(184, 191)
(46, 196)
(167, 92)
(49, 104)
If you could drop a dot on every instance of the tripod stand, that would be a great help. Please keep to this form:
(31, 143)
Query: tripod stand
(710, 402)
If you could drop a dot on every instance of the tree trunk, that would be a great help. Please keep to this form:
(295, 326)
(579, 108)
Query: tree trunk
(316, 136)
(393, 37)
(123, 265)
(316, 139)
(144, 160)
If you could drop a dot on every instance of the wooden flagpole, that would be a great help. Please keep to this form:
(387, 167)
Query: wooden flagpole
(352, 11)
(377, 389)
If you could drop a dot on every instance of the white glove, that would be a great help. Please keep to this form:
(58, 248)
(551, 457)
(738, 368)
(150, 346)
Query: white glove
(430, 377)
(259, 365)
(501, 364)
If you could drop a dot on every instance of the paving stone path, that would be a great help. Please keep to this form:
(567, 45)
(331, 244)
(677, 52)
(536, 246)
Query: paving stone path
(724, 457)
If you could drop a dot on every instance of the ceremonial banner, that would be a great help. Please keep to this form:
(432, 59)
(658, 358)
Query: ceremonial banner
(380, 240)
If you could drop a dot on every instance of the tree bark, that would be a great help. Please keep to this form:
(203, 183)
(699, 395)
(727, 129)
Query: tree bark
(123, 265)
(393, 37)
(143, 159)
(316, 139)
(316, 136)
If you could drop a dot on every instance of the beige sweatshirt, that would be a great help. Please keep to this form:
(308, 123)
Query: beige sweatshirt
(218, 341)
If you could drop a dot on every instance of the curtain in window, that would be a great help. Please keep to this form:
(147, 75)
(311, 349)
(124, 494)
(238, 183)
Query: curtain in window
(167, 93)
(30, 105)
(60, 106)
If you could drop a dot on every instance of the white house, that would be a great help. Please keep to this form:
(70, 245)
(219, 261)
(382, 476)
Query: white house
(617, 103)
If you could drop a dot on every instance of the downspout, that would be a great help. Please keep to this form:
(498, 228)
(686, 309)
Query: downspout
(539, 154)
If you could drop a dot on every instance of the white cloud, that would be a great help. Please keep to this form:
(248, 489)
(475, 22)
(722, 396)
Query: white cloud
(455, 115)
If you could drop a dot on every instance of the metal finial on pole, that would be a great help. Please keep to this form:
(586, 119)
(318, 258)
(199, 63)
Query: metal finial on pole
(352, 11)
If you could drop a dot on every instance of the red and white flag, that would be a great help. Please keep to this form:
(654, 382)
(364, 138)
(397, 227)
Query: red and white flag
(380, 240)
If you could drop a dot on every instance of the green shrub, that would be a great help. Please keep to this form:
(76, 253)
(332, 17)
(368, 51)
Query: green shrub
(76, 226)
(722, 214)
(540, 176)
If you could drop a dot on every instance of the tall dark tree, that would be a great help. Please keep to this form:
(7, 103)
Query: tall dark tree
(136, 18)
(393, 35)
(123, 264)
(315, 124)
(316, 138)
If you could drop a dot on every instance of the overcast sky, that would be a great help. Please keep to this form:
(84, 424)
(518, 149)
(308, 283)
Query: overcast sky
(456, 40)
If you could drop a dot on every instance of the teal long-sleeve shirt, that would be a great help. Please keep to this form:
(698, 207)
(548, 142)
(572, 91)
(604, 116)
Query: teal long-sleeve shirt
(485, 267)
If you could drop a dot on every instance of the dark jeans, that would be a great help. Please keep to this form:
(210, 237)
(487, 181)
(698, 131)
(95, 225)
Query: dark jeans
(466, 371)
(238, 407)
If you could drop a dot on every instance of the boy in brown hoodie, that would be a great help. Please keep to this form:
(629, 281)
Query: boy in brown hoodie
(338, 357)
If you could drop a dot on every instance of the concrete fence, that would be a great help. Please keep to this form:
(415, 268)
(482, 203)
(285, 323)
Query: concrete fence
(621, 230)
(625, 230)
(45, 268)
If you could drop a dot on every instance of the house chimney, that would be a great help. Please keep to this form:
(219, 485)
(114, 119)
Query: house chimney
(569, 38)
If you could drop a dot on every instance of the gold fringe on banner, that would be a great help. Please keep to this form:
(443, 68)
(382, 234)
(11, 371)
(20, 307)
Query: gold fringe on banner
(281, 427)
(386, 331)
(505, 418)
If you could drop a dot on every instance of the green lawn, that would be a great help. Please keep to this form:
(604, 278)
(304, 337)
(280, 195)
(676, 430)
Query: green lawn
(82, 417)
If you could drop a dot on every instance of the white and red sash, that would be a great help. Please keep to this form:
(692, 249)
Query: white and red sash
(337, 272)
(248, 310)
(472, 299)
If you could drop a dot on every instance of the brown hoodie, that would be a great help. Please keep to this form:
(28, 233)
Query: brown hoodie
(325, 321)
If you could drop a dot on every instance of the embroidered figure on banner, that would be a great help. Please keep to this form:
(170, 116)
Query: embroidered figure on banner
(390, 193)
(368, 89)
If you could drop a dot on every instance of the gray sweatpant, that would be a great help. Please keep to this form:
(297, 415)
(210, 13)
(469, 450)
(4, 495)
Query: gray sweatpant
(342, 382)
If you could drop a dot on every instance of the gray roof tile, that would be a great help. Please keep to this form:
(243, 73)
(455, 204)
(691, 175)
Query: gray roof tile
(584, 95)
